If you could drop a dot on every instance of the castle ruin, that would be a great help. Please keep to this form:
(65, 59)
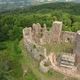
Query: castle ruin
(36, 36)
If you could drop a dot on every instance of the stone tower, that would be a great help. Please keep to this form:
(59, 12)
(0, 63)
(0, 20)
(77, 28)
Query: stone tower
(77, 47)
(27, 34)
(56, 31)
(36, 30)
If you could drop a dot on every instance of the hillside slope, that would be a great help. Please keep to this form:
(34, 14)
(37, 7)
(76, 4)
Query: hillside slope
(73, 8)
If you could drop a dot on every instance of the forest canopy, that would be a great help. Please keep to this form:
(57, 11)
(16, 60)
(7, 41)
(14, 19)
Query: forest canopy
(12, 22)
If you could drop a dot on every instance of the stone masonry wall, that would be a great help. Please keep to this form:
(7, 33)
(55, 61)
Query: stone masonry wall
(67, 36)
(33, 48)
(77, 47)
(36, 35)
(56, 31)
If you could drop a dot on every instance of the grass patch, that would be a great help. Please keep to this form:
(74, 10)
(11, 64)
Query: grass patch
(29, 75)
(59, 48)
(55, 75)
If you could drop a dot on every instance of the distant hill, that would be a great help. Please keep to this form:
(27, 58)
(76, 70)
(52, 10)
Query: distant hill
(14, 4)
(72, 8)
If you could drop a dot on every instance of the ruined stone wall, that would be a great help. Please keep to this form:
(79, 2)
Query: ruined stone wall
(77, 47)
(33, 48)
(46, 37)
(56, 31)
(36, 31)
(53, 35)
(67, 36)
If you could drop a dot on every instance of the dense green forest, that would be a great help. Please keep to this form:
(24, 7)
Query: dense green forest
(12, 23)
